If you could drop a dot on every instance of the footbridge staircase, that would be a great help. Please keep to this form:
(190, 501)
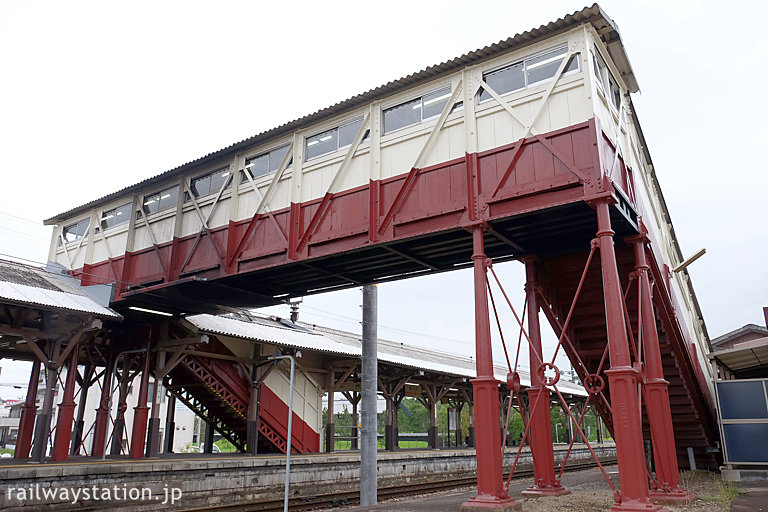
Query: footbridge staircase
(219, 393)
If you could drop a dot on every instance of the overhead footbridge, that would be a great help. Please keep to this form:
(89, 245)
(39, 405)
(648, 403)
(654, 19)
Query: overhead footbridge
(529, 149)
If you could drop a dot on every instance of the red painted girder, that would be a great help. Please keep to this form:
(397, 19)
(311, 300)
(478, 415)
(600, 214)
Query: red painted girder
(436, 198)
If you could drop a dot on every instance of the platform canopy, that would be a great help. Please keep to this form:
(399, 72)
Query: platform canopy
(748, 355)
(305, 337)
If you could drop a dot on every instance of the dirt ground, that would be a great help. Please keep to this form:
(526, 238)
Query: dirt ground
(594, 495)
(589, 493)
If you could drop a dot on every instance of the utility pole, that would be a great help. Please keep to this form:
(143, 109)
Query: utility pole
(368, 413)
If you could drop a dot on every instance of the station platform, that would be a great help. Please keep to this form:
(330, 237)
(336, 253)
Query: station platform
(578, 481)
(213, 480)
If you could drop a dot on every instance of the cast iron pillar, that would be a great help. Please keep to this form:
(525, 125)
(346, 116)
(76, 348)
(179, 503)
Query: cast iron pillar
(252, 426)
(459, 433)
(77, 436)
(66, 412)
(140, 413)
(656, 390)
(43, 423)
(170, 424)
(102, 413)
(622, 379)
(330, 431)
(389, 444)
(491, 494)
(208, 442)
(122, 405)
(396, 401)
(545, 480)
(471, 427)
(153, 432)
(28, 412)
(355, 431)
(432, 411)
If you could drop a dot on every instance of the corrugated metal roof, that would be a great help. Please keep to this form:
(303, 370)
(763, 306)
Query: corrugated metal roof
(34, 286)
(210, 324)
(749, 354)
(348, 344)
(594, 15)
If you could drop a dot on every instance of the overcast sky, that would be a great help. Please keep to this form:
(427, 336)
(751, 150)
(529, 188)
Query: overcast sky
(96, 96)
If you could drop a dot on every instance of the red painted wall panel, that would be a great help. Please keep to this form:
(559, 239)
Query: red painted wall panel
(437, 198)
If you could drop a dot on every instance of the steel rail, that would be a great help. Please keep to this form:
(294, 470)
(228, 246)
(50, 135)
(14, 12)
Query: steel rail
(323, 501)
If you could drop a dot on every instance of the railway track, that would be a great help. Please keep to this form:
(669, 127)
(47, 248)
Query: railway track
(353, 497)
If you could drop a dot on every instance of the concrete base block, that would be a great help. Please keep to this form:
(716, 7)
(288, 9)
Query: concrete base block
(491, 504)
(536, 491)
(677, 497)
(637, 507)
(744, 475)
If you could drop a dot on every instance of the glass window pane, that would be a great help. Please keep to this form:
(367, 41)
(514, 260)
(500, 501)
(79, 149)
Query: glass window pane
(615, 93)
(122, 213)
(218, 179)
(348, 131)
(504, 80)
(151, 204)
(168, 198)
(201, 186)
(544, 66)
(742, 400)
(746, 442)
(259, 165)
(596, 64)
(402, 115)
(75, 231)
(322, 143)
(573, 63)
(82, 227)
(434, 102)
(69, 233)
(276, 156)
(115, 216)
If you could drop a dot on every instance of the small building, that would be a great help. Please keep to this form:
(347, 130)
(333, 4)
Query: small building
(740, 362)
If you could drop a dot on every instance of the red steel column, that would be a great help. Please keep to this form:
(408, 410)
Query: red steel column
(656, 389)
(622, 379)
(140, 413)
(28, 412)
(490, 489)
(102, 413)
(545, 481)
(66, 411)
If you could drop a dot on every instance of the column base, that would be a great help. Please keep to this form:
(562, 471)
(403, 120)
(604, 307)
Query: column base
(487, 503)
(537, 491)
(637, 506)
(673, 497)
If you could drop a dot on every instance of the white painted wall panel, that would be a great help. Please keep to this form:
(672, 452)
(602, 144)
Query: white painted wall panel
(113, 247)
(247, 204)
(307, 397)
(161, 228)
(359, 172)
(398, 158)
(220, 215)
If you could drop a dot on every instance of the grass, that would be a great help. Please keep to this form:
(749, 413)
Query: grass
(709, 487)
(727, 491)
(6, 450)
(225, 446)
